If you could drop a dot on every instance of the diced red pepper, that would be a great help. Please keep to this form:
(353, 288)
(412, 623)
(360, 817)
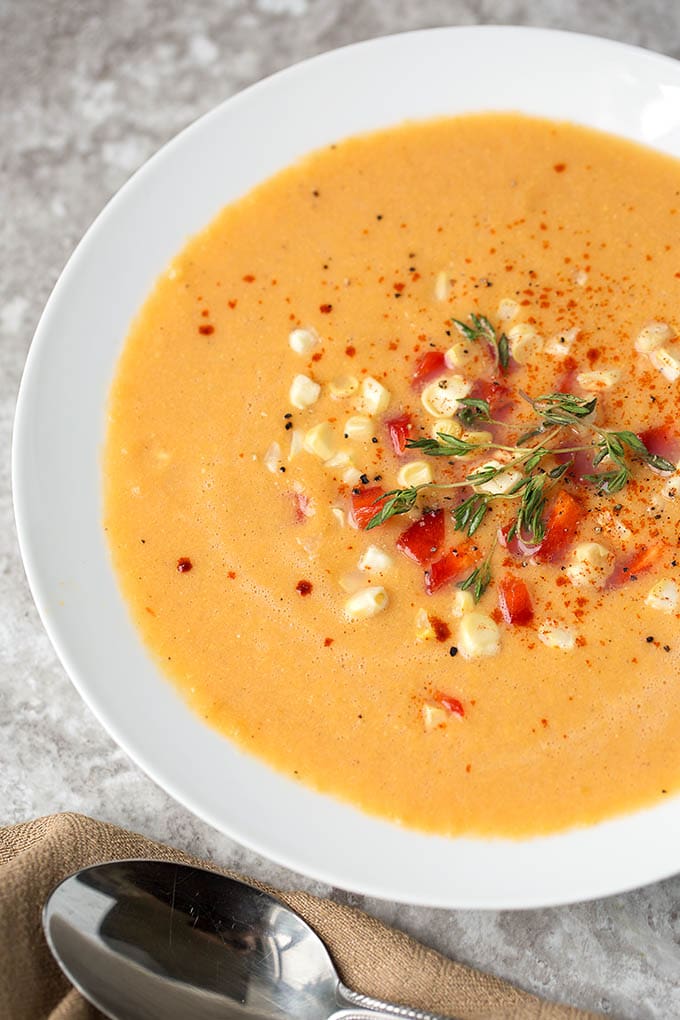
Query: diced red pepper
(423, 539)
(560, 530)
(400, 429)
(428, 366)
(643, 559)
(454, 565)
(495, 393)
(646, 557)
(663, 441)
(452, 705)
(364, 505)
(514, 601)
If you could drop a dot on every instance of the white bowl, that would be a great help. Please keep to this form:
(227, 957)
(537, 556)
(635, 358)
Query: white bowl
(60, 427)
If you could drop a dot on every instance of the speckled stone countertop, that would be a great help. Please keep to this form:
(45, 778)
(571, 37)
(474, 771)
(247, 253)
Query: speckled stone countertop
(89, 90)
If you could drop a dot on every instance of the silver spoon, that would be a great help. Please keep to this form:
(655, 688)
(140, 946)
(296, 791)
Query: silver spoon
(149, 939)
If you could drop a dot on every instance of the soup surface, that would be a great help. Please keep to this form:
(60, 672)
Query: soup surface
(496, 656)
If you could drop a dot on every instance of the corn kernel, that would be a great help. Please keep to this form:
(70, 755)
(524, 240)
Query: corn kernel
(448, 427)
(338, 516)
(652, 336)
(591, 565)
(434, 716)
(359, 427)
(554, 635)
(667, 362)
(478, 636)
(560, 345)
(525, 342)
(376, 397)
(296, 443)
(501, 483)
(272, 458)
(508, 308)
(320, 441)
(442, 286)
(417, 472)
(375, 560)
(343, 386)
(351, 475)
(424, 629)
(340, 459)
(459, 355)
(463, 602)
(304, 392)
(601, 379)
(343, 460)
(303, 340)
(366, 603)
(663, 596)
(481, 437)
(441, 397)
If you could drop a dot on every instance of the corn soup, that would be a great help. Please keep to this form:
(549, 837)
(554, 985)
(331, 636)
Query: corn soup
(391, 474)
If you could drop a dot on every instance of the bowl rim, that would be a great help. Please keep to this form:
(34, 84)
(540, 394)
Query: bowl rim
(662, 819)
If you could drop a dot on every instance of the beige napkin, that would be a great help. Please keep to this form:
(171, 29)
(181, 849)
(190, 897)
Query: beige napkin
(371, 958)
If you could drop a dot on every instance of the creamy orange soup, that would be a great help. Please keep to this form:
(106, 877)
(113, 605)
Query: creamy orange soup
(517, 680)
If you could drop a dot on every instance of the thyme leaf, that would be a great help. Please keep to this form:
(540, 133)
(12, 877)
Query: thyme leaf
(481, 328)
(445, 445)
(480, 578)
(561, 408)
(617, 445)
(469, 514)
(472, 411)
(529, 518)
(659, 463)
(394, 503)
(610, 482)
(503, 351)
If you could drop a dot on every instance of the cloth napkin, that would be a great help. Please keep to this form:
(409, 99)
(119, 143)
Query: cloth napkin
(371, 958)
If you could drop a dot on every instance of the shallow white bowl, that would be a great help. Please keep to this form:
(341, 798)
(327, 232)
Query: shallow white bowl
(60, 427)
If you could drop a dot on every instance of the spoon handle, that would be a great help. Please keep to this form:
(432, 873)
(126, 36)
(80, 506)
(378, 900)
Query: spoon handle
(363, 1007)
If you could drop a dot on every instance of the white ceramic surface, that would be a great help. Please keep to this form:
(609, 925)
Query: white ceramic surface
(60, 425)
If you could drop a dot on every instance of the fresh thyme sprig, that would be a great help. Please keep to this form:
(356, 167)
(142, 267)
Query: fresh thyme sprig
(472, 411)
(558, 410)
(562, 408)
(529, 517)
(482, 329)
(480, 578)
(394, 503)
(469, 514)
(615, 446)
(555, 412)
(444, 445)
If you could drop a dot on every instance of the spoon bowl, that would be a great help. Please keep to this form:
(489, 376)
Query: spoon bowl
(142, 939)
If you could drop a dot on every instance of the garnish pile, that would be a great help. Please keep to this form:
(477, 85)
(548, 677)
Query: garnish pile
(564, 426)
